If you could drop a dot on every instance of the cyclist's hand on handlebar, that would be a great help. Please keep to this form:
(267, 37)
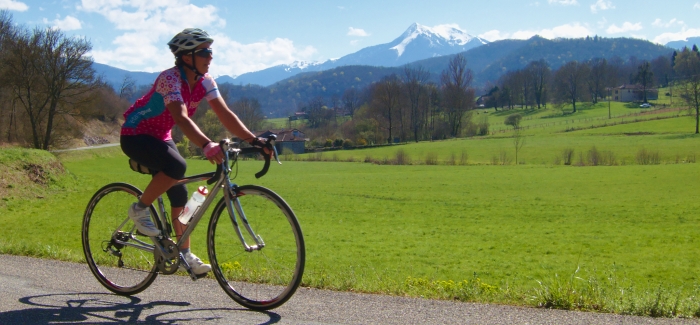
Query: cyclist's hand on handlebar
(213, 152)
(261, 143)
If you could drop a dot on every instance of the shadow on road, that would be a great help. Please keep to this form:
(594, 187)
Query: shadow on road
(101, 308)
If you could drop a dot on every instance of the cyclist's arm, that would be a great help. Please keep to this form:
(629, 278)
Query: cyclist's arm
(178, 110)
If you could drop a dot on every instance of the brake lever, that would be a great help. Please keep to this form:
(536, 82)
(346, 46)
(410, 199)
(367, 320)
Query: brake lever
(270, 144)
(274, 149)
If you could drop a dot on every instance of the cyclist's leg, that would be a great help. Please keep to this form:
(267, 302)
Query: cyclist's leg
(159, 184)
(178, 198)
(163, 158)
(179, 227)
(158, 155)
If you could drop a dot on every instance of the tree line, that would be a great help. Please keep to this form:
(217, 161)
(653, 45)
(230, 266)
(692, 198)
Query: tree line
(409, 107)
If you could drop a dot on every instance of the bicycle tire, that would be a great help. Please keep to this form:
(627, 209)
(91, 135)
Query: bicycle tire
(106, 215)
(261, 279)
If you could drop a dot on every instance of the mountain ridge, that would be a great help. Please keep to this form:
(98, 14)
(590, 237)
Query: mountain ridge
(416, 43)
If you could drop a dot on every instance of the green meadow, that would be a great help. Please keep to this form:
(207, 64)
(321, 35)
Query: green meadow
(459, 221)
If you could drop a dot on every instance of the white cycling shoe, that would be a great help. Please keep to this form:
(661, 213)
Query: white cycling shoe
(196, 264)
(142, 220)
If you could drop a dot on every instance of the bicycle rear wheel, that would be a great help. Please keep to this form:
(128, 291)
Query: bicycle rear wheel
(123, 269)
(260, 279)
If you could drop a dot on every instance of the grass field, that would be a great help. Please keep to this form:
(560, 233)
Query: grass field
(620, 238)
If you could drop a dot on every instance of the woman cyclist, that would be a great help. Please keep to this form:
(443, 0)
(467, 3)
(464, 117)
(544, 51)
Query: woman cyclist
(146, 132)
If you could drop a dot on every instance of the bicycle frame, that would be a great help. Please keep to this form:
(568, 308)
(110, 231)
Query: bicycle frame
(231, 200)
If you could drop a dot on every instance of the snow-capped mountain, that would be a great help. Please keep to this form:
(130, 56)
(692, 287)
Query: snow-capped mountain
(418, 42)
(274, 74)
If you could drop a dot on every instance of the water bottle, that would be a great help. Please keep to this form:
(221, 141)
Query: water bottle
(193, 205)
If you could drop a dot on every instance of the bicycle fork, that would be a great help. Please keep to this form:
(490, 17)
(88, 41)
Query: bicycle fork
(234, 203)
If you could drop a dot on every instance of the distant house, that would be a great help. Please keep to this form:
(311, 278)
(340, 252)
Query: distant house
(290, 139)
(299, 116)
(481, 101)
(633, 93)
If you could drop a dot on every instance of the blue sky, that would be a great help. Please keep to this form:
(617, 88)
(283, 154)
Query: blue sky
(256, 34)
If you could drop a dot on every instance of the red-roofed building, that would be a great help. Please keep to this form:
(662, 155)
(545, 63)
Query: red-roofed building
(289, 139)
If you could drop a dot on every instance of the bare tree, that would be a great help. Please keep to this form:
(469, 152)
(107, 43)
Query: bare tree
(250, 112)
(518, 142)
(52, 76)
(569, 83)
(597, 78)
(351, 100)
(386, 98)
(511, 90)
(540, 73)
(127, 88)
(687, 68)
(335, 104)
(315, 112)
(458, 96)
(7, 104)
(432, 110)
(662, 69)
(415, 91)
(645, 77)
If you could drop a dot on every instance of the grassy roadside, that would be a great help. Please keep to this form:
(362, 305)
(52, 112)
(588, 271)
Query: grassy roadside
(612, 239)
(616, 238)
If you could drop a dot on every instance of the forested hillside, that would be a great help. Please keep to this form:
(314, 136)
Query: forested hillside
(488, 63)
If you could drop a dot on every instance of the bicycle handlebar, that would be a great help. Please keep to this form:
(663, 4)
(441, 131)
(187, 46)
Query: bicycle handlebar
(269, 143)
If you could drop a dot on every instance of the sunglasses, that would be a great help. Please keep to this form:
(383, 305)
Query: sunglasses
(204, 53)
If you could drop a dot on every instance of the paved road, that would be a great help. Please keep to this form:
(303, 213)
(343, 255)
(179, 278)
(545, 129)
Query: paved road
(97, 146)
(37, 291)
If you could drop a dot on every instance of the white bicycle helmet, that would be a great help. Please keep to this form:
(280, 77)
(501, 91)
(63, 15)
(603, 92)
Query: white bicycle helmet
(188, 40)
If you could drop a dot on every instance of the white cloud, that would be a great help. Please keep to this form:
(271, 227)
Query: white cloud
(67, 24)
(670, 23)
(563, 2)
(626, 27)
(575, 30)
(696, 5)
(13, 5)
(357, 32)
(147, 25)
(233, 58)
(602, 5)
(682, 35)
(493, 35)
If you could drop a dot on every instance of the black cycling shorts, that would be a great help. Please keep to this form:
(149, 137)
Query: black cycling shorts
(158, 155)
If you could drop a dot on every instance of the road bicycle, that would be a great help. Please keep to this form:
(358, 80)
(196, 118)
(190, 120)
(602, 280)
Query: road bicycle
(254, 241)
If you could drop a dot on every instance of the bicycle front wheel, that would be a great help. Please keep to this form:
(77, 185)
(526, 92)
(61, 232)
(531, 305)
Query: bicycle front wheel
(117, 254)
(263, 278)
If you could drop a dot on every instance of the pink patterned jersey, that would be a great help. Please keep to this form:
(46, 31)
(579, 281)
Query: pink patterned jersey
(149, 115)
